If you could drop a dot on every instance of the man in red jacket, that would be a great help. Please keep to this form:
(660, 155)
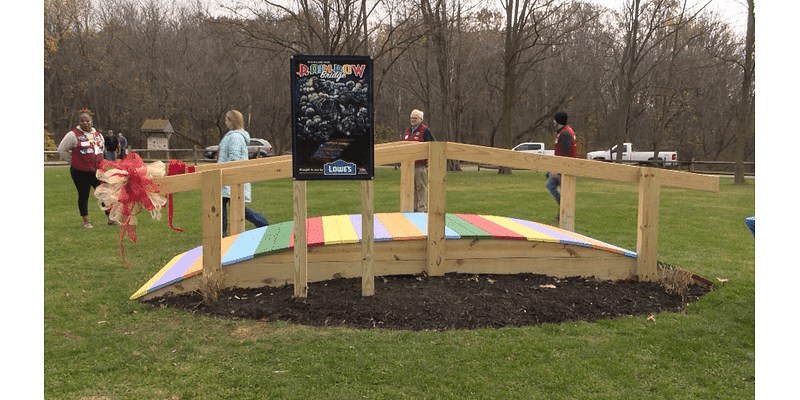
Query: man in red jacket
(566, 146)
(418, 132)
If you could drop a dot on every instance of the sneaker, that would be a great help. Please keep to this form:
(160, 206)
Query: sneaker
(87, 224)
(112, 222)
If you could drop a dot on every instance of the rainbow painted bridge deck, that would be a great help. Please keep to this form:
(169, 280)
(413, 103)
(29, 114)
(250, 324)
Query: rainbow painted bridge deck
(474, 244)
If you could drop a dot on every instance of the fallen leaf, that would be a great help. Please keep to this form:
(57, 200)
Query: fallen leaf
(491, 280)
(723, 280)
(651, 318)
(548, 286)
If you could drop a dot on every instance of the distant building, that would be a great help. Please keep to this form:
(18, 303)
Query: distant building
(157, 132)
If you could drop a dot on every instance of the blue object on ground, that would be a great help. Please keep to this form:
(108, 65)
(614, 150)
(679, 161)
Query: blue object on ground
(751, 223)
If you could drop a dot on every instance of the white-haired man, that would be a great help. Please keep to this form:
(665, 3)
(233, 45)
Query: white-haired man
(418, 132)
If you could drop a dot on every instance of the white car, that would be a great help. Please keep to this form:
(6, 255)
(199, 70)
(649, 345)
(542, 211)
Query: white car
(256, 149)
(535, 148)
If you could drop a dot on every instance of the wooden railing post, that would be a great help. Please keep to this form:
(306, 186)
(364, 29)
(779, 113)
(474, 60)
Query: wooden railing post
(437, 187)
(211, 191)
(647, 228)
(236, 209)
(300, 239)
(407, 186)
(367, 237)
(566, 211)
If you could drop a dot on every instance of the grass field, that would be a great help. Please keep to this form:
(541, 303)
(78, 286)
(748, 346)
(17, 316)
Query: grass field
(98, 344)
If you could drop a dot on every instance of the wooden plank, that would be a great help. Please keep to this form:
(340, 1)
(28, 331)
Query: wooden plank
(380, 233)
(399, 152)
(492, 228)
(399, 227)
(567, 206)
(575, 167)
(464, 228)
(407, 257)
(236, 209)
(277, 238)
(407, 186)
(337, 229)
(647, 227)
(437, 192)
(367, 244)
(300, 239)
(315, 234)
(527, 232)
(244, 246)
(156, 281)
(212, 232)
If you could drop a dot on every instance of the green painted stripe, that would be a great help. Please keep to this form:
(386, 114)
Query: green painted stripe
(463, 227)
(276, 239)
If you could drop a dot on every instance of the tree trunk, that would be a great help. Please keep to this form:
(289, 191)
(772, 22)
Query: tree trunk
(745, 109)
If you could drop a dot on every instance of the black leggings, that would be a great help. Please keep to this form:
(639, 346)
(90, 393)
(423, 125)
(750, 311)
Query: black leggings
(84, 181)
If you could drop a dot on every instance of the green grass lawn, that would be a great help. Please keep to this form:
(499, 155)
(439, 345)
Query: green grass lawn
(98, 344)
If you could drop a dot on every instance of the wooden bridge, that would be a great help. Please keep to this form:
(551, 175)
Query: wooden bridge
(450, 242)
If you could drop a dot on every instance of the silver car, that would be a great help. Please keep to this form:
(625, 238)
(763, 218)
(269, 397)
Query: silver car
(256, 149)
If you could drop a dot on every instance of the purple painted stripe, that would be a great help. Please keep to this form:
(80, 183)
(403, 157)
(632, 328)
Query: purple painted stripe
(562, 237)
(175, 273)
(381, 234)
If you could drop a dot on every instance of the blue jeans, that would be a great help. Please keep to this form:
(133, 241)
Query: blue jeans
(254, 217)
(110, 156)
(553, 184)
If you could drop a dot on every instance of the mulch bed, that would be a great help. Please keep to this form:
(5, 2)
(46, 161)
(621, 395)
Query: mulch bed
(453, 301)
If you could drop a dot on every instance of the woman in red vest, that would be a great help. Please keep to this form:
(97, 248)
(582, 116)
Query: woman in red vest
(83, 148)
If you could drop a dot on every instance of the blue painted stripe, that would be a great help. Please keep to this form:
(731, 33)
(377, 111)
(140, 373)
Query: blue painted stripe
(244, 247)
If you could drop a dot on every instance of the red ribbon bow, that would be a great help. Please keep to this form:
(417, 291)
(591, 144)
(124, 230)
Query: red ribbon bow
(176, 168)
(127, 188)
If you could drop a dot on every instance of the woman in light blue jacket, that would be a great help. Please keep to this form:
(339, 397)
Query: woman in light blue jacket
(233, 147)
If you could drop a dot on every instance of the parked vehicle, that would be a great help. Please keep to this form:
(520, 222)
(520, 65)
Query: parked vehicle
(257, 148)
(535, 148)
(629, 155)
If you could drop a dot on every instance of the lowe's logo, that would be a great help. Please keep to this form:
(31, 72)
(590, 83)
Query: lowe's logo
(340, 167)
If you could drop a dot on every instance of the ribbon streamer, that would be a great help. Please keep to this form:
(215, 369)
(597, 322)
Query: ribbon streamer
(176, 167)
(127, 188)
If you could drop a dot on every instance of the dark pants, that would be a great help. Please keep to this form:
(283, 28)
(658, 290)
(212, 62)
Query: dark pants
(84, 181)
(254, 217)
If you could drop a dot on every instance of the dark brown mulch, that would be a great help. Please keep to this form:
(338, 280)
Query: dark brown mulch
(453, 301)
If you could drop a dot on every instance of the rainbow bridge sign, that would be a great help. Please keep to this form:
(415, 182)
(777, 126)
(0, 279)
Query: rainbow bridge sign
(332, 117)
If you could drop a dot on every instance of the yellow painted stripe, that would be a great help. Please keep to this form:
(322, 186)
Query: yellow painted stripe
(399, 226)
(143, 290)
(530, 233)
(337, 229)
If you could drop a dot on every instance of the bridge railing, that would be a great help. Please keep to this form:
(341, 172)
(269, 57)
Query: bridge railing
(210, 178)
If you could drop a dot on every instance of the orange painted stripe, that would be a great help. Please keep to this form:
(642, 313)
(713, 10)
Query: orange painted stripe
(400, 227)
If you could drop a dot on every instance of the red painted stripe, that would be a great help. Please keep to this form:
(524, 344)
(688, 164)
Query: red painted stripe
(314, 233)
(493, 229)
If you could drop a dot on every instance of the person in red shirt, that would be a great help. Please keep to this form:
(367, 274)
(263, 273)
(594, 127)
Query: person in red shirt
(566, 146)
(418, 132)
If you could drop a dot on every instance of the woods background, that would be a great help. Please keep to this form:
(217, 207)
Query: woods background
(663, 74)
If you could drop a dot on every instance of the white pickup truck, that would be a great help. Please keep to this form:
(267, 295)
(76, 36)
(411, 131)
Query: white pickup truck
(535, 148)
(664, 158)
